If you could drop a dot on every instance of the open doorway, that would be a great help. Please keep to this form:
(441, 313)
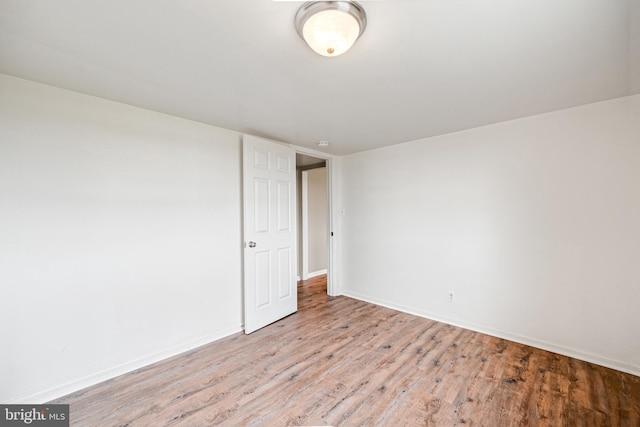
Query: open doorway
(313, 217)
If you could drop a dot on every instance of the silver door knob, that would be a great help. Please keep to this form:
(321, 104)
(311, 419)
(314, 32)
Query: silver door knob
(252, 244)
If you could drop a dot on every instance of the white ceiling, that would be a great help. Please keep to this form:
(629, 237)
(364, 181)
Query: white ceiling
(422, 67)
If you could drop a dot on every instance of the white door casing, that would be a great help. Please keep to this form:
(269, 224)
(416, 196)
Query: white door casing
(269, 179)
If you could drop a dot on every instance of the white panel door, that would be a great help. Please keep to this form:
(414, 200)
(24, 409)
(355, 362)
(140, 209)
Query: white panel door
(269, 180)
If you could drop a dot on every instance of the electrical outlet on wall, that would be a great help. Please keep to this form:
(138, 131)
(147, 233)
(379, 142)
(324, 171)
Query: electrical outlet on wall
(451, 296)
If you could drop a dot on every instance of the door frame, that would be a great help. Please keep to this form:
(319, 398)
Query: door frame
(332, 283)
(303, 250)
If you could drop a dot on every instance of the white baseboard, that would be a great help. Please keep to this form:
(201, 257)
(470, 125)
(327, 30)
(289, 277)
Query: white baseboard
(533, 342)
(316, 273)
(79, 384)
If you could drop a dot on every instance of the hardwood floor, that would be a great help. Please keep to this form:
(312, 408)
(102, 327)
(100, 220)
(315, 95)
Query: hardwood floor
(343, 362)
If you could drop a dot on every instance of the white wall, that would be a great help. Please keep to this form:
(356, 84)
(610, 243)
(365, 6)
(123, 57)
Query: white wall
(533, 223)
(119, 238)
(317, 219)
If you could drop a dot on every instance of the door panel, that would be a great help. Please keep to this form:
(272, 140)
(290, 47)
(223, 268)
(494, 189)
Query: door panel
(261, 205)
(284, 206)
(262, 279)
(269, 232)
(284, 270)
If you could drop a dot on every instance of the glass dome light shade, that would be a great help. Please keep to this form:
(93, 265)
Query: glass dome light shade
(330, 28)
(331, 32)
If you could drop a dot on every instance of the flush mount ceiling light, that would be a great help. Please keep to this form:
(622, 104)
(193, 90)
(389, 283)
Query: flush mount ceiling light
(330, 28)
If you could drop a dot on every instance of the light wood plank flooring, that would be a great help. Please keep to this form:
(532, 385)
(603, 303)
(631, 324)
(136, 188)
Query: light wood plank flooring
(343, 362)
